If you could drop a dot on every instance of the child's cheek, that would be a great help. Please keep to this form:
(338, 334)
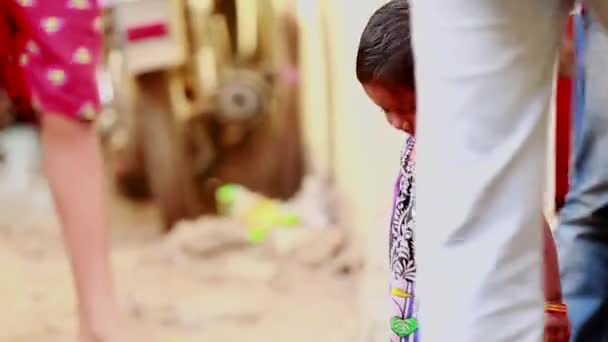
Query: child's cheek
(394, 120)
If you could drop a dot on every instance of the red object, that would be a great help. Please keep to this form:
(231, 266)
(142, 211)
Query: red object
(148, 31)
(563, 135)
(49, 52)
(12, 76)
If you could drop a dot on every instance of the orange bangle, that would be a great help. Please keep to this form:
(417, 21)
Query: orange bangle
(556, 307)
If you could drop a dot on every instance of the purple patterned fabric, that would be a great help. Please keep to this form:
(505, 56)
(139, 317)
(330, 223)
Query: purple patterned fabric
(401, 246)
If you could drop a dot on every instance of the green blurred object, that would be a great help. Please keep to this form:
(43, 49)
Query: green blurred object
(259, 214)
(226, 195)
(404, 327)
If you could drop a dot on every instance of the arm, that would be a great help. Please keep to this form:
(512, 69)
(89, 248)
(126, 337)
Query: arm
(551, 280)
(557, 327)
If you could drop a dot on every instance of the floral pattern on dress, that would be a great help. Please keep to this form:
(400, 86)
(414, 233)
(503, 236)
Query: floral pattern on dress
(402, 252)
(50, 55)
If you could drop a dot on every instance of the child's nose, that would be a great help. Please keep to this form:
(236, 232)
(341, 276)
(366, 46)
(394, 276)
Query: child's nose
(395, 120)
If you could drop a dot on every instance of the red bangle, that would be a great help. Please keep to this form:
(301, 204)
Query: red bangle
(556, 307)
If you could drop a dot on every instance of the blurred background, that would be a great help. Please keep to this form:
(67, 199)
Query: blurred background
(249, 178)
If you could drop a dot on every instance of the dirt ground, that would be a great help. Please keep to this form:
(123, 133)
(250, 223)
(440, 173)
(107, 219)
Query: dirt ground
(182, 287)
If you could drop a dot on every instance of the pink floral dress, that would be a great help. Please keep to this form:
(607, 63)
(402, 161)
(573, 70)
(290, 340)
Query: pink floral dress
(49, 53)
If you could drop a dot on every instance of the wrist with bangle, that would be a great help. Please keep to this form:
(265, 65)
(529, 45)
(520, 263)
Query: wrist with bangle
(556, 307)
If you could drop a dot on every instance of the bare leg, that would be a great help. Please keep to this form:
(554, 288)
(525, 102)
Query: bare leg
(551, 282)
(73, 166)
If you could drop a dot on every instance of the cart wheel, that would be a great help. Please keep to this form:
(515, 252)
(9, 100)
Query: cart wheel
(170, 178)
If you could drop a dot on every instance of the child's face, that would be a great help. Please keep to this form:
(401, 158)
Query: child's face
(399, 105)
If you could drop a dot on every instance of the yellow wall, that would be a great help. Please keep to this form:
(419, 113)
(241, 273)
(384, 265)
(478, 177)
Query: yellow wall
(346, 135)
(315, 113)
(365, 157)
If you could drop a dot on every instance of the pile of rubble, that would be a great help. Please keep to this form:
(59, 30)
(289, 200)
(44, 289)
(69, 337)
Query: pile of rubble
(241, 279)
(225, 239)
(313, 242)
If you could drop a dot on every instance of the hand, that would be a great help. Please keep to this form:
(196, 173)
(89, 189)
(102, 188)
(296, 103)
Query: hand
(557, 327)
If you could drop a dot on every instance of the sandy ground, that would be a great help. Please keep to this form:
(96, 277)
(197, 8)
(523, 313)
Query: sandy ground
(180, 287)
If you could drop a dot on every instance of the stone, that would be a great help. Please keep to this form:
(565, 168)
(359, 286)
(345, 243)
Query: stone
(208, 237)
(283, 242)
(320, 247)
(243, 267)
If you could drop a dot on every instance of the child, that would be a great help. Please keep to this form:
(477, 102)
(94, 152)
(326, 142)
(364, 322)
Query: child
(385, 68)
(49, 52)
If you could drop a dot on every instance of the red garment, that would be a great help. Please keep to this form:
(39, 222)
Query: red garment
(563, 134)
(562, 140)
(49, 53)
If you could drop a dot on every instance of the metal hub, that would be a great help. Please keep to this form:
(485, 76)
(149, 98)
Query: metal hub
(239, 101)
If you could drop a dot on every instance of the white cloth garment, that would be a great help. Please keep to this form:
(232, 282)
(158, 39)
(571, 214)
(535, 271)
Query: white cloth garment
(485, 72)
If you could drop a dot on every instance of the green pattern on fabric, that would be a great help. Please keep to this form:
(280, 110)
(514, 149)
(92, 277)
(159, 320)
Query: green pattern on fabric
(404, 327)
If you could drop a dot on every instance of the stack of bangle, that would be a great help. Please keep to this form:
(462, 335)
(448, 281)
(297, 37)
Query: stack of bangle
(556, 308)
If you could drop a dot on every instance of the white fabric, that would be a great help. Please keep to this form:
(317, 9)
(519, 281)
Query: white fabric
(485, 76)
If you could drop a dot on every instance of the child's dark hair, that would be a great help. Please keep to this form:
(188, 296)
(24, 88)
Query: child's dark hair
(385, 50)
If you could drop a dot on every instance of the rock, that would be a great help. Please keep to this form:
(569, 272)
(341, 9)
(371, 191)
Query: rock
(207, 237)
(249, 269)
(311, 203)
(283, 242)
(197, 313)
(349, 261)
(229, 304)
(320, 247)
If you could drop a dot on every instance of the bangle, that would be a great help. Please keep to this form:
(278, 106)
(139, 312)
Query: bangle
(556, 307)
